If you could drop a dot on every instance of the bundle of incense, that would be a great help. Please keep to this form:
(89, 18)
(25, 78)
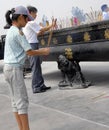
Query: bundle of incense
(95, 15)
(92, 17)
(88, 16)
(92, 13)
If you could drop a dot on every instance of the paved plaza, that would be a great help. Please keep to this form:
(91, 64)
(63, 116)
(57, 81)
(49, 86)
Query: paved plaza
(76, 109)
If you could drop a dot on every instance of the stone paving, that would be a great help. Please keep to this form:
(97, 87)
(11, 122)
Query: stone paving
(76, 109)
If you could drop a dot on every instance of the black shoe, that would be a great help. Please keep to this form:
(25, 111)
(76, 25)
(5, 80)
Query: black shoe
(39, 90)
(46, 88)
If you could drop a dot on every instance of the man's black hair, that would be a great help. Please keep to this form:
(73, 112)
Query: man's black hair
(32, 9)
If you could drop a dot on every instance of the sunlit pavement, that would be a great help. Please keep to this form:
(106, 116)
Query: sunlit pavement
(76, 109)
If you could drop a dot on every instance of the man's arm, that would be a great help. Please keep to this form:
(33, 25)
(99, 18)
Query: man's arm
(44, 29)
(42, 51)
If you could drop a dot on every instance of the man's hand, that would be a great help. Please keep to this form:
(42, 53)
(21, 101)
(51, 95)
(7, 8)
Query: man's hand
(54, 22)
(45, 51)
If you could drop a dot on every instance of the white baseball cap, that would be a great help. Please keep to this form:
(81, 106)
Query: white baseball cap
(22, 10)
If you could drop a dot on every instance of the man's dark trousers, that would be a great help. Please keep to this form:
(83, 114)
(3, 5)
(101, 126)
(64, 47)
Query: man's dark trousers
(35, 63)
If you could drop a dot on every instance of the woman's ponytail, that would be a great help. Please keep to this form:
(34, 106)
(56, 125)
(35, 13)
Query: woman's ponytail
(8, 17)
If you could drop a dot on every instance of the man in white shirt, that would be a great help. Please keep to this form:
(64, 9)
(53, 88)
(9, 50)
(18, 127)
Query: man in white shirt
(105, 11)
(31, 31)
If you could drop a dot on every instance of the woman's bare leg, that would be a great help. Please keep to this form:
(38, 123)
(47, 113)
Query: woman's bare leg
(18, 120)
(24, 121)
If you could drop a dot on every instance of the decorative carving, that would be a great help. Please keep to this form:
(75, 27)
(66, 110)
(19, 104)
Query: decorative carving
(69, 53)
(42, 42)
(55, 41)
(106, 35)
(72, 75)
(69, 39)
(87, 36)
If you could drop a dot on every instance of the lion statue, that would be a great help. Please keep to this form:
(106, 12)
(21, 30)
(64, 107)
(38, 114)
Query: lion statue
(71, 73)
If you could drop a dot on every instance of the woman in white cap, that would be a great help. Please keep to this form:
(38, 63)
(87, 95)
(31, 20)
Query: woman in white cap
(16, 48)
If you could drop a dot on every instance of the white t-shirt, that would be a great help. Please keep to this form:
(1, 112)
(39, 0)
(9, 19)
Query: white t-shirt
(105, 16)
(30, 30)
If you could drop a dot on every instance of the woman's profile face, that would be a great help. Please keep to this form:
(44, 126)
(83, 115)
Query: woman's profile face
(22, 20)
